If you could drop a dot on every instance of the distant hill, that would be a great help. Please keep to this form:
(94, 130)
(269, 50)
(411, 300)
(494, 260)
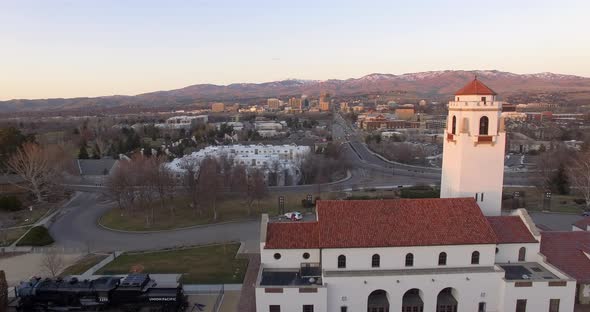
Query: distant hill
(430, 84)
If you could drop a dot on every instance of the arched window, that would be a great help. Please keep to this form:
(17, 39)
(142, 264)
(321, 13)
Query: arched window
(375, 261)
(409, 260)
(341, 261)
(483, 125)
(442, 258)
(454, 125)
(475, 257)
(522, 254)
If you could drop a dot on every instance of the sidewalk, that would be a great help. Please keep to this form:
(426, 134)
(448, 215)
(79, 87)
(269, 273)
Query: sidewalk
(247, 302)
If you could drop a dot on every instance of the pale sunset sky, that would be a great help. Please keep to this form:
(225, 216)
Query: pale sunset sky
(51, 48)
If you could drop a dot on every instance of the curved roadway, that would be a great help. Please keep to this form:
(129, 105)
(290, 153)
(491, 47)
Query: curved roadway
(77, 227)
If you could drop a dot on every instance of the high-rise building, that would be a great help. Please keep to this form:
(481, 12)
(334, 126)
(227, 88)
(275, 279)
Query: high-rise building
(325, 102)
(344, 107)
(473, 150)
(273, 104)
(296, 104)
(217, 107)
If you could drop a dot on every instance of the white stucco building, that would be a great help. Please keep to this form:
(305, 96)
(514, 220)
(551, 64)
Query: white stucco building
(183, 122)
(285, 159)
(473, 149)
(408, 255)
(453, 254)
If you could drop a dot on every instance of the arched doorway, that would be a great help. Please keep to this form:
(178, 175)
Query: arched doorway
(446, 301)
(412, 301)
(378, 301)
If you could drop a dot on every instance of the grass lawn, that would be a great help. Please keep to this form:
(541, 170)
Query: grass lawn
(215, 264)
(533, 200)
(230, 207)
(25, 216)
(7, 237)
(83, 264)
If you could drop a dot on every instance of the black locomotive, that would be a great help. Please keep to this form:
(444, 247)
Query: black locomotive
(135, 292)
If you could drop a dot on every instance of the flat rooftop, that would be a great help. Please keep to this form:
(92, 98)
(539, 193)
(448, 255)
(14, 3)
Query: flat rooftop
(287, 278)
(527, 271)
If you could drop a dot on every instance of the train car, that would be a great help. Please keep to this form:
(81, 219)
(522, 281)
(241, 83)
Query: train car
(135, 292)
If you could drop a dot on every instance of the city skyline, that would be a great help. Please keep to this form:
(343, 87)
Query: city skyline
(71, 49)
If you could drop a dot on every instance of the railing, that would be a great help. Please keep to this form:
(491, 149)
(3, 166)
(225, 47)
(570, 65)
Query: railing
(219, 299)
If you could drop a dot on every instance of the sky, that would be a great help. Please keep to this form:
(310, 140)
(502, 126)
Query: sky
(51, 48)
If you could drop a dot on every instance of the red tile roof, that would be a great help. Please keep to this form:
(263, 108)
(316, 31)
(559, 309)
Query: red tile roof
(566, 251)
(511, 229)
(583, 223)
(388, 223)
(292, 235)
(475, 87)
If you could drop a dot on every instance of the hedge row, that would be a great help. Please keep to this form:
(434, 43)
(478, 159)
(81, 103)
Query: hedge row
(37, 236)
(10, 203)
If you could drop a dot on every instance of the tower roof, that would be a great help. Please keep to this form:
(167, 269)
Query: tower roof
(475, 87)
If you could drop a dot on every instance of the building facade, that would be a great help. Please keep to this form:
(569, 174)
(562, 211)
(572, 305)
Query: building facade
(218, 107)
(473, 149)
(392, 255)
(282, 161)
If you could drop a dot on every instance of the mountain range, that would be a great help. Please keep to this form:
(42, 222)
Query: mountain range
(431, 84)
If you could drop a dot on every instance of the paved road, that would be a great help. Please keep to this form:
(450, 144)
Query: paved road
(77, 228)
(555, 221)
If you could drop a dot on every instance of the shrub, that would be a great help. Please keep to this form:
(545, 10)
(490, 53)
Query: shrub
(37, 236)
(580, 201)
(10, 203)
(417, 193)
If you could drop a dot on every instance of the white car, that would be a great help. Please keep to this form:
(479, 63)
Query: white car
(294, 215)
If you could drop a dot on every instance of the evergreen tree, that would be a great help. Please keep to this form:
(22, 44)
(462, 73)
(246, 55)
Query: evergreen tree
(83, 153)
(96, 152)
(560, 181)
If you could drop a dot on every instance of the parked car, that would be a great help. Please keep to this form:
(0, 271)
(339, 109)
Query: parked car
(586, 213)
(294, 215)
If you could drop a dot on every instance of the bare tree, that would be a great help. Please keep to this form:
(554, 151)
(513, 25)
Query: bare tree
(239, 183)
(118, 184)
(39, 167)
(161, 178)
(226, 163)
(579, 174)
(257, 188)
(211, 182)
(190, 182)
(52, 262)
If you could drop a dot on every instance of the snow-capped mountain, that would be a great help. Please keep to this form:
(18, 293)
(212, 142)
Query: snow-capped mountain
(422, 84)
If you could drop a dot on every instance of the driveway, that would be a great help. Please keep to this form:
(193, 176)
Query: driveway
(77, 227)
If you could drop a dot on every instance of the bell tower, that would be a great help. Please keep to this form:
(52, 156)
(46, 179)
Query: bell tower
(473, 148)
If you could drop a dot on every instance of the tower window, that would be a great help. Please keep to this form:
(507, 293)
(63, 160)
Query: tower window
(375, 261)
(481, 197)
(454, 125)
(409, 260)
(483, 99)
(341, 261)
(442, 258)
(475, 257)
(483, 125)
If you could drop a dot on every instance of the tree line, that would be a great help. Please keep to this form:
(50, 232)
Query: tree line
(137, 184)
